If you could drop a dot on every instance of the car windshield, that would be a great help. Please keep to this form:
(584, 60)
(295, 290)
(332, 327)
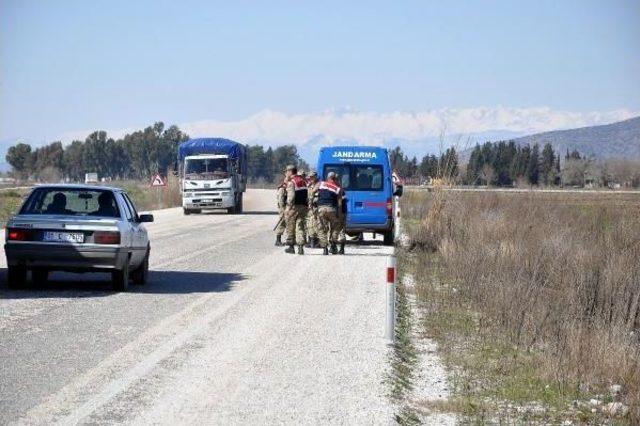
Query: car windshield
(204, 168)
(71, 202)
(357, 177)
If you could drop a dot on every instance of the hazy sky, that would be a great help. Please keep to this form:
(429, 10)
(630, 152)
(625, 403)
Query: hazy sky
(73, 65)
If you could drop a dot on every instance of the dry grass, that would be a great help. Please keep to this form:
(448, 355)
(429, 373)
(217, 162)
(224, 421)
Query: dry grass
(545, 286)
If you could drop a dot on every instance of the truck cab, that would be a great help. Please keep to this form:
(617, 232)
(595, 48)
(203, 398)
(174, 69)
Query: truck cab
(213, 173)
(366, 177)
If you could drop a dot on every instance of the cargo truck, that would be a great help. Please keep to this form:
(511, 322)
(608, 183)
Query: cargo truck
(213, 174)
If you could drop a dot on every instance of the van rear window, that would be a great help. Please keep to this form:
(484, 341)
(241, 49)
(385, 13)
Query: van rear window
(358, 177)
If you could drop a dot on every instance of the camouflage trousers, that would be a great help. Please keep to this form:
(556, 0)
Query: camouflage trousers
(342, 228)
(296, 225)
(282, 224)
(329, 226)
(312, 223)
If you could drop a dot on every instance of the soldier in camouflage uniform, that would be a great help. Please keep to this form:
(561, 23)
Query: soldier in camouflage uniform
(296, 210)
(312, 216)
(330, 198)
(281, 199)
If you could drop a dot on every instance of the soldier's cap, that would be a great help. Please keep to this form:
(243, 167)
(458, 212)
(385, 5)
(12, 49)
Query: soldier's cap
(331, 175)
(290, 167)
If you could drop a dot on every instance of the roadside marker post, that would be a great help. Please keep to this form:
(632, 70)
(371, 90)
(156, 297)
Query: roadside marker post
(390, 325)
(396, 222)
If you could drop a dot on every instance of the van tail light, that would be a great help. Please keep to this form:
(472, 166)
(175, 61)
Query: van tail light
(389, 206)
(15, 234)
(106, 237)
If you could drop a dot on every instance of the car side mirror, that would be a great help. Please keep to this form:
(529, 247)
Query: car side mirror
(145, 218)
(399, 191)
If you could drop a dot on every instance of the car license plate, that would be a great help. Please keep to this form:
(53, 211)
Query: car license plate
(63, 237)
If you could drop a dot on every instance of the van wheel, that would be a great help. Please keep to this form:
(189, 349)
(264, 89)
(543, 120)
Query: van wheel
(186, 212)
(240, 203)
(16, 277)
(388, 238)
(120, 278)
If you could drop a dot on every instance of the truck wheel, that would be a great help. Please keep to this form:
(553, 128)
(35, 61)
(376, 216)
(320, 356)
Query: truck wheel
(141, 274)
(120, 278)
(40, 276)
(234, 209)
(186, 212)
(388, 238)
(16, 277)
(240, 203)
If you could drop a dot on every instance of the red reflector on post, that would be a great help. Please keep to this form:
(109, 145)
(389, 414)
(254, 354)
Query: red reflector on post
(391, 275)
(106, 237)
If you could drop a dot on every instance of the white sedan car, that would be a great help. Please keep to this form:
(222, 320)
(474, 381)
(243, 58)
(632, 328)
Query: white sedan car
(77, 228)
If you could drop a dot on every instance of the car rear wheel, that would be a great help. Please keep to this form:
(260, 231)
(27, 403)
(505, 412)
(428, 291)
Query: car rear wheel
(16, 277)
(40, 276)
(141, 274)
(120, 278)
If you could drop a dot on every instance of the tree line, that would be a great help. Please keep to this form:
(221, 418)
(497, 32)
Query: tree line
(142, 153)
(138, 155)
(506, 163)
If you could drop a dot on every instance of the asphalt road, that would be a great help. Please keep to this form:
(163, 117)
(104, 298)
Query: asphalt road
(229, 330)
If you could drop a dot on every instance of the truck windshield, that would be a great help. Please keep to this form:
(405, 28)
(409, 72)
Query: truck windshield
(357, 177)
(205, 168)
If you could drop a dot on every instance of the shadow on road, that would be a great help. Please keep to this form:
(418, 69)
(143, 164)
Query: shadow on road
(66, 285)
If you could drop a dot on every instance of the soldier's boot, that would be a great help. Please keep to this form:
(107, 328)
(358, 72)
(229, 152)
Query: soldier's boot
(341, 250)
(325, 251)
(301, 249)
(278, 240)
(290, 249)
(334, 249)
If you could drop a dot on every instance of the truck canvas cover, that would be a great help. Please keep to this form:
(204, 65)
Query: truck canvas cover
(215, 146)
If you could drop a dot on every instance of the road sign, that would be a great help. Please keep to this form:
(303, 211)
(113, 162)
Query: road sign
(158, 181)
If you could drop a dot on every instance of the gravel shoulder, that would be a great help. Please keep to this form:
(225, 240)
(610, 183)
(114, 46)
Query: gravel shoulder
(230, 330)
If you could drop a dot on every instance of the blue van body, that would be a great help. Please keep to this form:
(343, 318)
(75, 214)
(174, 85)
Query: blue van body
(366, 176)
